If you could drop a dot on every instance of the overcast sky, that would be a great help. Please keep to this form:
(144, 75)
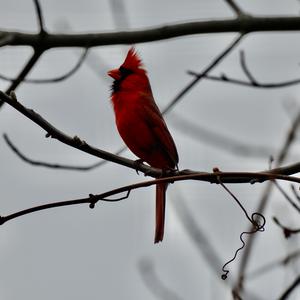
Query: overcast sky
(108, 253)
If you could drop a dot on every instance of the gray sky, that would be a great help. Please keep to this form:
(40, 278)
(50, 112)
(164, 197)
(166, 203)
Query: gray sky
(79, 253)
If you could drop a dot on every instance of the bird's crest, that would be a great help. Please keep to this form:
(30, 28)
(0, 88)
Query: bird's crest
(132, 60)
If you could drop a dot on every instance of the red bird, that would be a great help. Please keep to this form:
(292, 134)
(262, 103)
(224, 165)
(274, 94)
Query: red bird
(142, 126)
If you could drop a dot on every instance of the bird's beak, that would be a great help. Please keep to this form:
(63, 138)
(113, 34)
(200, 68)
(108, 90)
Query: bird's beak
(115, 74)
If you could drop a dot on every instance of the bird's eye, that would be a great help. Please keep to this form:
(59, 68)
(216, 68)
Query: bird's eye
(125, 71)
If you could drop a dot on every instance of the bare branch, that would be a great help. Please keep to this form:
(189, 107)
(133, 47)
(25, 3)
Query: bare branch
(77, 143)
(39, 16)
(213, 64)
(289, 290)
(26, 69)
(54, 79)
(235, 7)
(246, 70)
(224, 78)
(168, 31)
(226, 177)
(5, 39)
(270, 266)
(290, 137)
(49, 165)
(286, 230)
(287, 197)
(295, 192)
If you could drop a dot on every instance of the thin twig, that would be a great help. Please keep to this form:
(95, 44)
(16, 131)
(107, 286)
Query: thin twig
(246, 70)
(235, 7)
(270, 266)
(202, 176)
(257, 220)
(54, 79)
(39, 16)
(26, 69)
(286, 230)
(295, 192)
(287, 197)
(289, 290)
(264, 201)
(212, 65)
(50, 165)
(224, 78)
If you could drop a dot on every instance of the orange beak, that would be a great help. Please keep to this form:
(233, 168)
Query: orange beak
(115, 74)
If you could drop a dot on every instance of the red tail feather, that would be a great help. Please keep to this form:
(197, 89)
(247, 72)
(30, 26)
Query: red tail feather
(160, 211)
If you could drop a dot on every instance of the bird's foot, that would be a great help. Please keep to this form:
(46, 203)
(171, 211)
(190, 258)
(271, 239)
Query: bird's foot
(137, 163)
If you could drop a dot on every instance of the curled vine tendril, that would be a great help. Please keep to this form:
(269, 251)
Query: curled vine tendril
(257, 220)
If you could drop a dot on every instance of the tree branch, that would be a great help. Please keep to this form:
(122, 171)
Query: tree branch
(212, 65)
(242, 25)
(215, 177)
(290, 289)
(286, 230)
(50, 165)
(27, 68)
(235, 7)
(39, 16)
(270, 266)
(290, 137)
(247, 72)
(224, 78)
(77, 143)
(54, 79)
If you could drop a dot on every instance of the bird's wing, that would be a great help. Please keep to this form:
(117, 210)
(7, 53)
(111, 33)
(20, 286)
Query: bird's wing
(158, 127)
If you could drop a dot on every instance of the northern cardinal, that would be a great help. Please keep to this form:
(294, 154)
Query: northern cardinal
(141, 125)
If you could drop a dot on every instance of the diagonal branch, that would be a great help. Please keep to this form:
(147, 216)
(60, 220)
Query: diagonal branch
(287, 197)
(27, 68)
(212, 65)
(291, 257)
(289, 290)
(77, 143)
(235, 7)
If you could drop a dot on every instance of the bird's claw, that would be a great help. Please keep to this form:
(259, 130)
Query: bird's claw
(137, 163)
